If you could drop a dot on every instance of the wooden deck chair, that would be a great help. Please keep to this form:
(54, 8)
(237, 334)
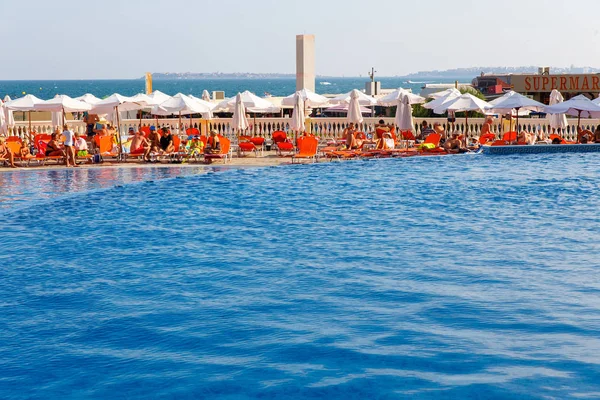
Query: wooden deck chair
(223, 154)
(307, 148)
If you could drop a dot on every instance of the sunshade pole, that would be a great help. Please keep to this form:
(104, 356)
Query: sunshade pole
(29, 117)
(578, 121)
(118, 132)
(517, 126)
(140, 127)
(466, 126)
(180, 126)
(64, 115)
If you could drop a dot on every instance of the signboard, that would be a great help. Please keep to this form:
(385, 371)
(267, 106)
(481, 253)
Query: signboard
(563, 83)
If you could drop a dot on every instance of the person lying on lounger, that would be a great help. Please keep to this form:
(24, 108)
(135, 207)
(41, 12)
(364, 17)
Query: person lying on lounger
(54, 147)
(6, 153)
(454, 145)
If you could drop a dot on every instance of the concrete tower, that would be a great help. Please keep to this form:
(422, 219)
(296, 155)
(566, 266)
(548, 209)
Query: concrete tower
(305, 62)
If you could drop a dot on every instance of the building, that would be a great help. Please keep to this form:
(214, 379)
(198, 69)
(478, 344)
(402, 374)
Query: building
(538, 86)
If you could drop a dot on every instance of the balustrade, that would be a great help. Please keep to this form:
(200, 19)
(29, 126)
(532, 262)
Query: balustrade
(325, 128)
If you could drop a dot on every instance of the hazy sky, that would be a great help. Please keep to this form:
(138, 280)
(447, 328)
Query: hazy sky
(73, 39)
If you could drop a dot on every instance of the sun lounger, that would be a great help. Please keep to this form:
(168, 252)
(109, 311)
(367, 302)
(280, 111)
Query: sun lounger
(223, 154)
(307, 149)
(282, 143)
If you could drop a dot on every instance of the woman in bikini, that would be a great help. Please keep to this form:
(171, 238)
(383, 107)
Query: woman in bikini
(54, 148)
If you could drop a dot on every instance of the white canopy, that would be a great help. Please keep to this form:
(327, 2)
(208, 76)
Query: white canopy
(404, 119)
(297, 123)
(514, 113)
(9, 120)
(392, 98)
(205, 95)
(25, 103)
(57, 119)
(557, 121)
(354, 114)
(252, 103)
(515, 101)
(116, 100)
(239, 122)
(363, 99)
(438, 105)
(63, 103)
(343, 108)
(181, 104)
(443, 93)
(310, 99)
(88, 98)
(579, 106)
(466, 102)
(3, 124)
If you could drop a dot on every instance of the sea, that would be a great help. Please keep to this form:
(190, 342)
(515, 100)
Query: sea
(456, 277)
(275, 87)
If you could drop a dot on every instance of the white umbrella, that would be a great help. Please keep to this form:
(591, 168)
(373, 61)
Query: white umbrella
(343, 108)
(205, 95)
(392, 98)
(210, 106)
(62, 103)
(309, 98)
(516, 101)
(182, 105)
(88, 98)
(252, 103)
(578, 105)
(437, 105)
(404, 118)
(437, 95)
(114, 105)
(297, 123)
(239, 122)
(8, 114)
(3, 124)
(354, 114)
(345, 98)
(557, 121)
(465, 102)
(25, 103)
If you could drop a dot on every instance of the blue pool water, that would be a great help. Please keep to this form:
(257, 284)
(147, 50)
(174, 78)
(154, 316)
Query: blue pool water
(434, 277)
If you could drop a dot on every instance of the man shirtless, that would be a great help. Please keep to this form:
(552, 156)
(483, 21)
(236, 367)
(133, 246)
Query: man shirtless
(6, 153)
(140, 145)
(454, 145)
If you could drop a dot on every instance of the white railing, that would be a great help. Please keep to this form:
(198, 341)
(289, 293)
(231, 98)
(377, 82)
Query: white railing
(325, 128)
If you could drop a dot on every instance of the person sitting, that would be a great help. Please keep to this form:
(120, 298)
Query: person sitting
(194, 147)
(487, 133)
(140, 146)
(524, 138)
(213, 145)
(81, 147)
(5, 153)
(597, 134)
(349, 134)
(101, 129)
(584, 135)
(154, 140)
(54, 147)
(426, 130)
(440, 130)
(166, 141)
(25, 152)
(454, 145)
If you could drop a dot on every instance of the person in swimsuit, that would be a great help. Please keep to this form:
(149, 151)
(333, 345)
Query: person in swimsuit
(349, 135)
(213, 145)
(154, 139)
(54, 148)
(597, 134)
(6, 153)
(454, 145)
(140, 145)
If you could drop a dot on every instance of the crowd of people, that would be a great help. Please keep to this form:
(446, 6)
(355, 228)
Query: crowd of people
(155, 143)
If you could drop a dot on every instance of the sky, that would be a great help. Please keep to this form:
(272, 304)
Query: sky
(122, 39)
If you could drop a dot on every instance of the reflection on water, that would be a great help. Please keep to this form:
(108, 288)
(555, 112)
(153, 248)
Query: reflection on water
(24, 186)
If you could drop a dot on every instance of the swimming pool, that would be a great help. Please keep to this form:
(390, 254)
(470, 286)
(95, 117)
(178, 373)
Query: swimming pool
(424, 277)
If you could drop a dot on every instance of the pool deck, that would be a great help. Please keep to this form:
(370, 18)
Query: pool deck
(542, 148)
